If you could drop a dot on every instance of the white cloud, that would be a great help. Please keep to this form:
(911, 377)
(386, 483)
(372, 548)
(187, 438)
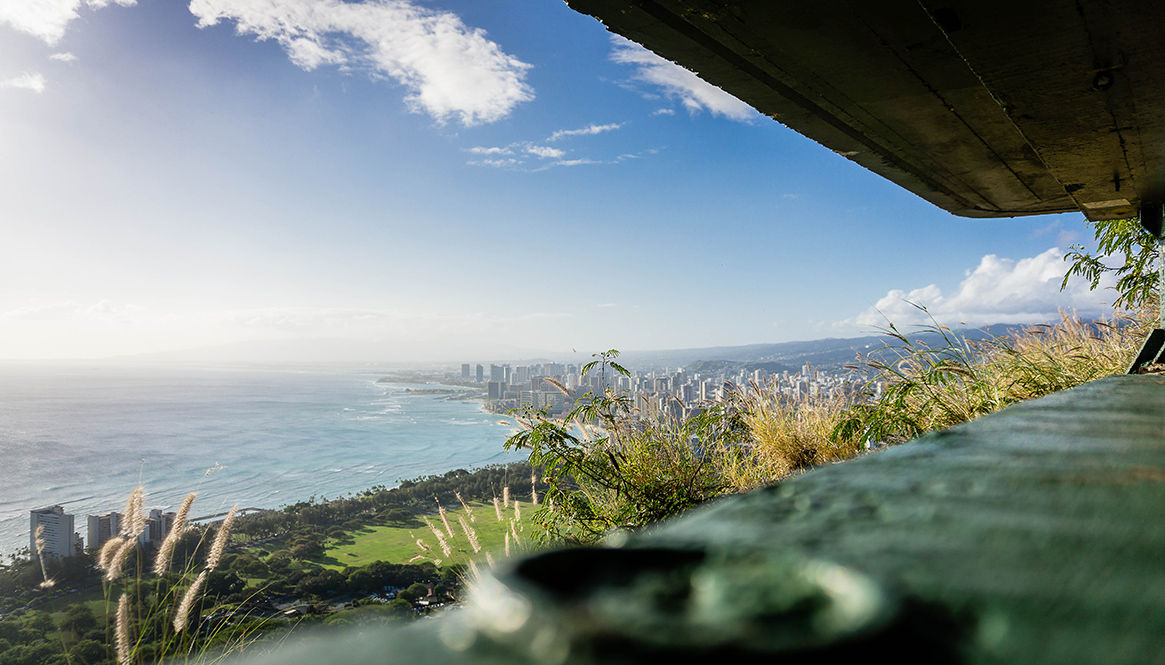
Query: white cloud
(575, 162)
(491, 151)
(34, 82)
(545, 151)
(63, 57)
(693, 92)
(497, 163)
(47, 19)
(589, 130)
(51, 312)
(378, 321)
(996, 291)
(102, 310)
(664, 112)
(450, 70)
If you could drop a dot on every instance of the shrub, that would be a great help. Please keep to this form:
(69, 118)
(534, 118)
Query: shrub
(609, 469)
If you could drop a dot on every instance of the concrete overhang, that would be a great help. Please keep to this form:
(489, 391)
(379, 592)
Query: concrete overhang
(986, 108)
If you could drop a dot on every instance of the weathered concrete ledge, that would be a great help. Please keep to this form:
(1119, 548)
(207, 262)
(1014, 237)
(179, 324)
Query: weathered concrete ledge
(1032, 535)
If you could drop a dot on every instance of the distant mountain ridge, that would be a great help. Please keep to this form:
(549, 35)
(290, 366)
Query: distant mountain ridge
(831, 354)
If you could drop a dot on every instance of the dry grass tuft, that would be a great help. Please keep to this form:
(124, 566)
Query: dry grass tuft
(135, 514)
(124, 643)
(787, 436)
(116, 565)
(444, 519)
(221, 539)
(182, 616)
(470, 534)
(166, 551)
(468, 510)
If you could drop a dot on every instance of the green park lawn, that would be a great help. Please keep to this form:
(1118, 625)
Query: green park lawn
(398, 544)
(94, 597)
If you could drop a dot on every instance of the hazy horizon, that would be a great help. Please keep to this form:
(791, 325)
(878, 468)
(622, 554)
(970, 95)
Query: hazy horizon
(444, 177)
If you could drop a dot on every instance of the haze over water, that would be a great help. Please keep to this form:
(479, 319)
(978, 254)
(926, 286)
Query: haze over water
(80, 434)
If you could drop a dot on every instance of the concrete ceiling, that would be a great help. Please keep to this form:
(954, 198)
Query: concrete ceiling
(985, 108)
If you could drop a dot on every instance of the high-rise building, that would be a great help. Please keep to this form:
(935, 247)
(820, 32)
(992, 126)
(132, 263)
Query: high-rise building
(496, 389)
(480, 374)
(465, 370)
(57, 533)
(495, 373)
(506, 373)
(520, 375)
(158, 525)
(102, 528)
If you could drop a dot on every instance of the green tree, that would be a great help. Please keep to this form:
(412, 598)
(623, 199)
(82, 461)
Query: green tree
(1119, 239)
(89, 652)
(414, 592)
(400, 607)
(79, 619)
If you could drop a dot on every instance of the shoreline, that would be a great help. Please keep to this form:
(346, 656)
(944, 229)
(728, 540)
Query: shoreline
(276, 438)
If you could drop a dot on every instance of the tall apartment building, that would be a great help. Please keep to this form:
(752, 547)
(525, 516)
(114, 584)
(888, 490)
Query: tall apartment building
(59, 537)
(102, 528)
(480, 374)
(157, 526)
(465, 370)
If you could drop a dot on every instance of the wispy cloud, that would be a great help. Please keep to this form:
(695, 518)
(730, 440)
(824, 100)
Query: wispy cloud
(450, 69)
(63, 57)
(103, 309)
(318, 320)
(579, 162)
(551, 158)
(491, 151)
(27, 81)
(664, 112)
(47, 19)
(497, 163)
(998, 290)
(546, 152)
(589, 130)
(547, 156)
(693, 92)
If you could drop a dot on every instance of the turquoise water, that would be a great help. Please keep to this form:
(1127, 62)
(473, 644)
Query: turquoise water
(82, 435)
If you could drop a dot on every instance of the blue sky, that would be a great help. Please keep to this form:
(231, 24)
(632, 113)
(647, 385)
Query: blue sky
(443, 178)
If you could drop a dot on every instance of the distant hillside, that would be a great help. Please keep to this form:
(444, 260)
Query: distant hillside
(714, 366)
(831, 354)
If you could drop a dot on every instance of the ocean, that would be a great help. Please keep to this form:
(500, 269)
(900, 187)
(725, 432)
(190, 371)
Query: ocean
(83, 436)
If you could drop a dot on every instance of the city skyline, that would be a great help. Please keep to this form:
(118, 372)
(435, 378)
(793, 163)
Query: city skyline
(445, 179)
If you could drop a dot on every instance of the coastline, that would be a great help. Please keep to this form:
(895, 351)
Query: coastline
(270, 438)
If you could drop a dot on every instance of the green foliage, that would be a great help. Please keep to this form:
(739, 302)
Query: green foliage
(1120, 239)
(928, 387)
(608, 470)
(400, 607)
(414, 593)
